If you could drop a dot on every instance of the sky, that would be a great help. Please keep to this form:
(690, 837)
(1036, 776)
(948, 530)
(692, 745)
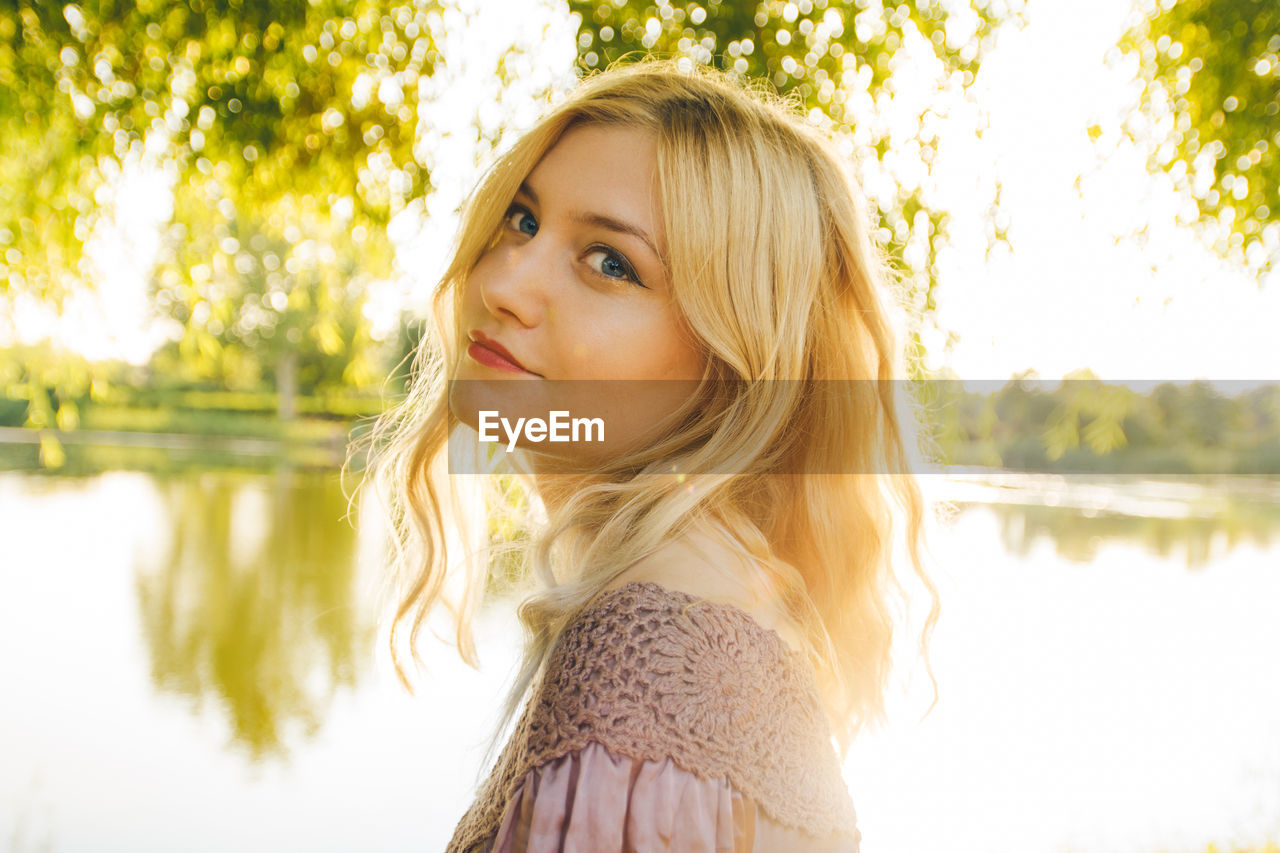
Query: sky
(1067, 293)
(1071, 289)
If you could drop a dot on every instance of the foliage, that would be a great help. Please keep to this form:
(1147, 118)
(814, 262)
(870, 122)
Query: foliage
(45, 389)
(281, 100)
(1215, 66)
(287, 130)
(265, 634)
(838, 62)
(1088, 425)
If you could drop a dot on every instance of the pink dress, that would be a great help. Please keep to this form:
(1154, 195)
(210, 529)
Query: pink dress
(665, 722)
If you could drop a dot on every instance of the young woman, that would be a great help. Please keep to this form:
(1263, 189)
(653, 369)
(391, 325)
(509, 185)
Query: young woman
(709, 586)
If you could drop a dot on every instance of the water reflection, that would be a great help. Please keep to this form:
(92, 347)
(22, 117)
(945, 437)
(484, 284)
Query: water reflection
(169, 637)
(251, 608)
(1189, 522)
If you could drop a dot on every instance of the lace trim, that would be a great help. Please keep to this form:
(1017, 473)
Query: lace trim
(650, 672)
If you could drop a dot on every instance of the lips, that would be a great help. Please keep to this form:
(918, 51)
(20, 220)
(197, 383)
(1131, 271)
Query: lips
(489, 352)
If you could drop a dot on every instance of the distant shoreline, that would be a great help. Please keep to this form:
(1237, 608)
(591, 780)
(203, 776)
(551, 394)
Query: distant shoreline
(168, 440)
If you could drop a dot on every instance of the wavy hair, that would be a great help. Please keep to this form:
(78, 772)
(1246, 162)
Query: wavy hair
(772, 267)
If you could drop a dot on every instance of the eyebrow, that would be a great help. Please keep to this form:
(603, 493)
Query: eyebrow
(607, 222)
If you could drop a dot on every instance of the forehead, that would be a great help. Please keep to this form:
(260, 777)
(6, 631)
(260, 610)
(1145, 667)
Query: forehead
(602, 169)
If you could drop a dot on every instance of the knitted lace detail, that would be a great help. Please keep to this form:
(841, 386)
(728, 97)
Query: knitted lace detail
(650, 673)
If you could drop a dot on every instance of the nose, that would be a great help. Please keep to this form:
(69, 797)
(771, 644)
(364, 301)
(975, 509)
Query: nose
(514, 279)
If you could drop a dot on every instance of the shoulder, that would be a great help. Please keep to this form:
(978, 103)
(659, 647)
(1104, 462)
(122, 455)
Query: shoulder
(667, 670)
(666, 640)
(652, 673)
(702, 567)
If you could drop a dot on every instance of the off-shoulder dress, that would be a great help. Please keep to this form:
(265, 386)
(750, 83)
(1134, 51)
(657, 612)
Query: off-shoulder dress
(666, 722)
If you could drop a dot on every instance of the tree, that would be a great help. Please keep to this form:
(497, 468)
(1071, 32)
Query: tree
(283, 124)
(838, 60)
(268, 637)
(1213, 66)
(288, 129)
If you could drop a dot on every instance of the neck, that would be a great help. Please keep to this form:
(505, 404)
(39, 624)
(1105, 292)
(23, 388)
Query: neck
(555, 485)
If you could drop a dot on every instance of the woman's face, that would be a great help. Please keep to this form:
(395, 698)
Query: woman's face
(575, 288)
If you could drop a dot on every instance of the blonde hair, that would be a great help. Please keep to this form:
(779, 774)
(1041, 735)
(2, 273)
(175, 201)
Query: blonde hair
(771, 265)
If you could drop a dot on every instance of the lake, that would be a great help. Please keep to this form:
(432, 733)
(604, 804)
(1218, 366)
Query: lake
(193, 661)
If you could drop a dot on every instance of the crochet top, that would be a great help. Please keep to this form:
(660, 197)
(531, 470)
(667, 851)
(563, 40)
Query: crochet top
(660, 717)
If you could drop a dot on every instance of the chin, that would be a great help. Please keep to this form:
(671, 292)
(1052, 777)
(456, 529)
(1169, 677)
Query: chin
(486, 390)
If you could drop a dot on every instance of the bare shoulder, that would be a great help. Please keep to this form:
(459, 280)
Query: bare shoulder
(702, 565)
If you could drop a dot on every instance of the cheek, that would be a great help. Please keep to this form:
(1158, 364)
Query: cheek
(486, 269)
(471, 288)
(679, 352)
(583, 353)
(592, 345)
(634, 347)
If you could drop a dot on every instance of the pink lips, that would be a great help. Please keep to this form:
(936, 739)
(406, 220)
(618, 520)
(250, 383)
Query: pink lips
(493, 354)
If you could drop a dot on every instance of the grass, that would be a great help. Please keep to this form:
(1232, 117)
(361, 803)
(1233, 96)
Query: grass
(318, 437)
(213, 422)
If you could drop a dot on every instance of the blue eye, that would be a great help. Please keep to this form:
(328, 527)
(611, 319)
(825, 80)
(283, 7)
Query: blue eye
(614, 266)
(523, 220)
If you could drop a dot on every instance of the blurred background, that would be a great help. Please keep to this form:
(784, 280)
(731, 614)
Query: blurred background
(220, 225)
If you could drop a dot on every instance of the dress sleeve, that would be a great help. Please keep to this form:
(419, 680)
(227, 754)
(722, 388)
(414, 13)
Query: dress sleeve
(592, 799)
